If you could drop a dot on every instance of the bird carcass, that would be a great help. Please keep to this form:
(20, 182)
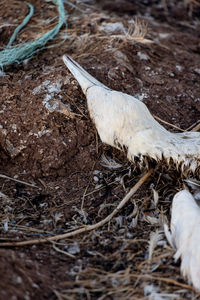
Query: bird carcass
(124, 122)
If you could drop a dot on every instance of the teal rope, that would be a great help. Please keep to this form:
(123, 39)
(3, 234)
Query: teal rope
(25, 21)
(18, 53)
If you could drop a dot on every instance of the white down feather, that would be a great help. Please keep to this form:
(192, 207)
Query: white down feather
(185, 235)
(124, 122)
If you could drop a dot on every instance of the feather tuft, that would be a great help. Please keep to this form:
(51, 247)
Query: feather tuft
(155, 238)
(185, 235)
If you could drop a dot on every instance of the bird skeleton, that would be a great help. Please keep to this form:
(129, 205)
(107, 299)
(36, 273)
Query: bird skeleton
(124, 122)
(185, 235)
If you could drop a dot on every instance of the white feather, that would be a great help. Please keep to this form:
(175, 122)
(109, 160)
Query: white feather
(185, 235)
(155, 238)
(123, 121)
(109, 163)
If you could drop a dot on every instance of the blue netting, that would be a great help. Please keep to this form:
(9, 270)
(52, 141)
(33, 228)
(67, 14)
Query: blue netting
(18, 53)
(24, 22)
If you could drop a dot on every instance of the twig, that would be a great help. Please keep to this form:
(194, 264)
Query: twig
(7, 24)
(2, 195)
(85, 192)
(87, 227)
(191, 127)
(196, 128)
(63, 252)
(58, 295)
(19, 181)
(63, 109)
(78, 108)
(99, 189)
(168, 280)
(169, 124)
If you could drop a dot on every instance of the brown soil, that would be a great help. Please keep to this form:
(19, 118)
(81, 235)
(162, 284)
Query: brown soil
(62, 155)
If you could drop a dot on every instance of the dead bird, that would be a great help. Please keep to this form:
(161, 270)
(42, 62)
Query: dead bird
(185, 235)
(124, 122)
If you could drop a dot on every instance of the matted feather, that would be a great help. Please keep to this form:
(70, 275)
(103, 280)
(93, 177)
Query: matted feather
(185, 235)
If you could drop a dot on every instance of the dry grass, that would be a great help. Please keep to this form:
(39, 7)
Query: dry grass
(124, 256)
(87, 227)
(120, 285)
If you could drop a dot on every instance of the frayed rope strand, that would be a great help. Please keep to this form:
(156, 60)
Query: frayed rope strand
(73, 5)
(18, 53)
(24, 22)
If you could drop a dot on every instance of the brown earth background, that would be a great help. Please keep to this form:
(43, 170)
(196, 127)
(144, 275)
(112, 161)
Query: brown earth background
(62, 156)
